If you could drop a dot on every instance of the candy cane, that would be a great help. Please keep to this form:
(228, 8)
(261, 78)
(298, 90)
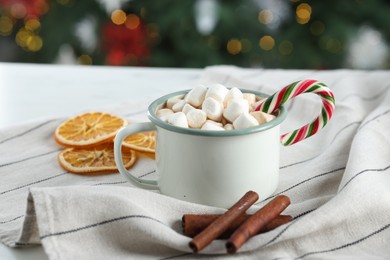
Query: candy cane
(273, 102)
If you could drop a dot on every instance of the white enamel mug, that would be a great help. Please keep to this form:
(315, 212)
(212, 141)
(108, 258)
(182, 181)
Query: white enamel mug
(209, 167)
(217, 167)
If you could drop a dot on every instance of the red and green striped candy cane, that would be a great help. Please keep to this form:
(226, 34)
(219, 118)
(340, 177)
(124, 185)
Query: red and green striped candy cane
(273, 102)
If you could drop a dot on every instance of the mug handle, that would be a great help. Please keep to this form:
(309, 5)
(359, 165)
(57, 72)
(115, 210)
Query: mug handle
(120, 136)
(273, 102)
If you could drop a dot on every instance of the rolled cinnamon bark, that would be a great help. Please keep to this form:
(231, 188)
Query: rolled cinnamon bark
(222, 223)
(193, 224)
(256, 222)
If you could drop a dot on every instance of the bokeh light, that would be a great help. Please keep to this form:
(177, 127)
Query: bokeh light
(234, 46)
(118, 17)
(265, 16)
(286, 47)
(32, 24)
(84, 59)
(267, 43)
(333, 45)
(330, 44)
(153, 34)
(142, 12)
(21, 37)
(18, 10)
(303, 13)
(28, 40)
(317, 27)
(42, 7)
(6, 26)
(34, 43)
(132, 21)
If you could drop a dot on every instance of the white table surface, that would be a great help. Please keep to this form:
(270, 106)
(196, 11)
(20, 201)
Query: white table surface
(31, 91)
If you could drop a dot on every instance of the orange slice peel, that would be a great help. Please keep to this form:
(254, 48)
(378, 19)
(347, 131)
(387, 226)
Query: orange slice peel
(88, 129)
(94, 160)
(143, 142)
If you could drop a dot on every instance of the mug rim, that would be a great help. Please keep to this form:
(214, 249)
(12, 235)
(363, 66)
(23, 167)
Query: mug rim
(191, 131)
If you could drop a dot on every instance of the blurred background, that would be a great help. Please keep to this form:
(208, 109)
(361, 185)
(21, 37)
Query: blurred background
(197, 33)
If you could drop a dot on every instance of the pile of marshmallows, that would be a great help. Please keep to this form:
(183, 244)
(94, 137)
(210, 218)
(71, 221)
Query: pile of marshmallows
(214, 108)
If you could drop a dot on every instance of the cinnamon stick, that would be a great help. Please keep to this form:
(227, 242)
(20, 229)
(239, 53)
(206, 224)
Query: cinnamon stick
(256, 222)
(222, 223)
(193, 224)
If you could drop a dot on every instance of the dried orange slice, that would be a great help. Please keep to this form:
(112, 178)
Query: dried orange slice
(88, 129)
(97, 159)
(148, 155)
(144, 142)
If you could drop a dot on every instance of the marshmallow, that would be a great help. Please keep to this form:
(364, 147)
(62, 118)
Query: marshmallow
(179, 106)
(262, 117)
(233, 93)
(245, 120)
(236, 108)
(164, 114)
(196, 96)
(172, 101)
(187, 108)
(250, 97)
(213, 109)
(211, 126)
(215, 123)
(178, 119)
(228, 127)
(218, 92)
(196, 118)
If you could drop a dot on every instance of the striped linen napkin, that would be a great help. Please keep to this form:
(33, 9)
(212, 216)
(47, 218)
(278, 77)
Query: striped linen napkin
(338, 182)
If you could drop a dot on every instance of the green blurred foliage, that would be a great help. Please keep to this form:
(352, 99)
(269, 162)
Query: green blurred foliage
(179, 44)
